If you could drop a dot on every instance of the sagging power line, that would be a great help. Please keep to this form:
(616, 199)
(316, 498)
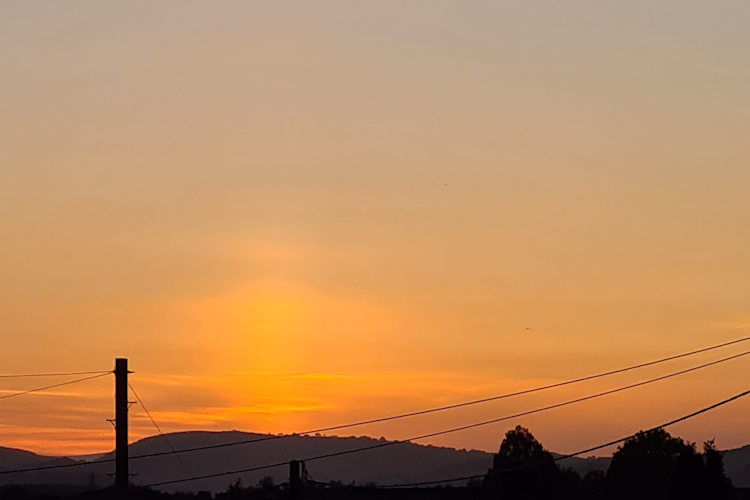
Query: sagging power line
(59, 374)
(158, 429)
(454, 406)
(393, 417)
(581, 452)
(475, 476)
(53, 386)
(453, 429)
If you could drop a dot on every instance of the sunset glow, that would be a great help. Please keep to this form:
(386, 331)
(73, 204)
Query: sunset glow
(289, 216)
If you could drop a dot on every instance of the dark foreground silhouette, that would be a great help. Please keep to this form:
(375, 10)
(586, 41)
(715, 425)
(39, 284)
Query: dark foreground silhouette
(653, 465)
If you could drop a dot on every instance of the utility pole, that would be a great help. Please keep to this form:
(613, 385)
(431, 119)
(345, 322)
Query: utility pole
(295, 480)
(122, 477)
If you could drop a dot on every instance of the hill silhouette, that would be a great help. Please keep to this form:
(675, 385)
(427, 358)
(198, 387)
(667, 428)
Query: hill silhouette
(737, 466)
(400, 463)
(13, 458)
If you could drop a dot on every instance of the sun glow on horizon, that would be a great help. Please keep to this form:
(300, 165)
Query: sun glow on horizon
(290, 217)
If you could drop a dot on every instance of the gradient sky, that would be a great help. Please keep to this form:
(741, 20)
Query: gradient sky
(296, 214)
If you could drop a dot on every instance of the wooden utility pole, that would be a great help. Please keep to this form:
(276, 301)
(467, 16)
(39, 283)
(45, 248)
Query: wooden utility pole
(295, 480)
(122, 475)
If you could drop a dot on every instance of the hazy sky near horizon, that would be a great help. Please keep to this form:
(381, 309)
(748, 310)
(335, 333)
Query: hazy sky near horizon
(295, 214)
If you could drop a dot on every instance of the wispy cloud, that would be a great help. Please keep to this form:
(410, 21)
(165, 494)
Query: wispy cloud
(742, 323)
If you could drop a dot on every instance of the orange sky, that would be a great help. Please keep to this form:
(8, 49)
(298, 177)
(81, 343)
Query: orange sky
(295, 215)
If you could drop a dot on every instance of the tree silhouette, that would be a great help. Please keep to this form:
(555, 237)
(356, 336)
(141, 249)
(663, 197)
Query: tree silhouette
(523, 469)
(717, 484)
(655, 465)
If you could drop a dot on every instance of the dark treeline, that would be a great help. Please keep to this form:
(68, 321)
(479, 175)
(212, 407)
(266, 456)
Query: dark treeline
(652, 465)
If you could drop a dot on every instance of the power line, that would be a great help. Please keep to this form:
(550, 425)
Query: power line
(457, 429)
(380, 445)
(60, 374)
(158, 429)
(536, 410)
(29, 391)
(99, 461)
(58, 466)
(528, 391)
(436, 481)
(383, 419)
(457, 405)
(574, 401)
(218, 474)
(581, 452)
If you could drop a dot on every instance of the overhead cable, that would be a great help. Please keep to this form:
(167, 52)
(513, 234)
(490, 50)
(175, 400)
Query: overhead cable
(457, 405)
(581, 452)
(53, 386)
(470, 426)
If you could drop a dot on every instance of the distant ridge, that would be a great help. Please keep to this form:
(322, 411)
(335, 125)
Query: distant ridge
(13, 457)
(405, 462)
(737, 466)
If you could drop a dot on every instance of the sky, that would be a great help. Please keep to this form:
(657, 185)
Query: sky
(289, 215)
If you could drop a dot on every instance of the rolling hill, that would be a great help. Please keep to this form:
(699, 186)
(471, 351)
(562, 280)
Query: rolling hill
(397, 463)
